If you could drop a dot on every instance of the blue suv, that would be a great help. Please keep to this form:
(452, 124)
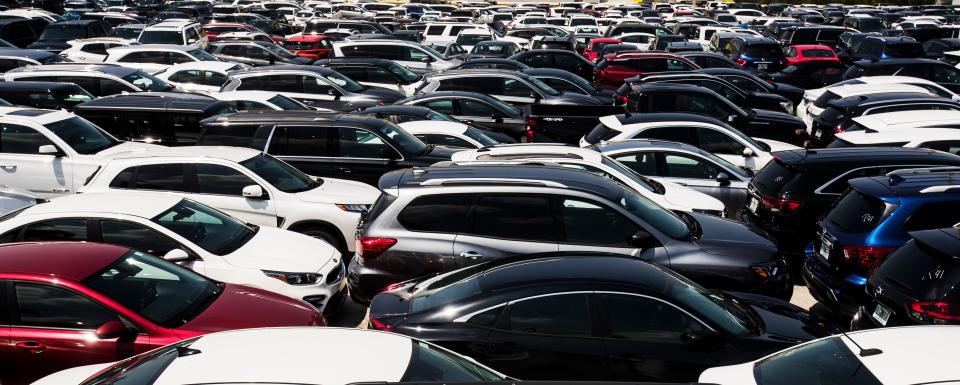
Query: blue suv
(870, 221)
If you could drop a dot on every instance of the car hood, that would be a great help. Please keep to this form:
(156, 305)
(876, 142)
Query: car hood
(574, 99)
(687, 197)
(727, 237)
(779, 118)
(336, 191)
(282, 250)
(72, 376)
(129, 147)
(232, 310)
(786, 322)
(383, 94)
(741, 374)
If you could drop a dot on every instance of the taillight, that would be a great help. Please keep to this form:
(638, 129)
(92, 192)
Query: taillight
(621, 99)
(949, 311)
(741, 61)
(378, 324)
(838, 130)
(372, 247)
(779, 206)
(531, 125)
(865, 256)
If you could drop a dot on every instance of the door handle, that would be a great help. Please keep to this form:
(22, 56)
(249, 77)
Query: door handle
(471, 255)
(32, 347)
(8, 166)
(344, 170)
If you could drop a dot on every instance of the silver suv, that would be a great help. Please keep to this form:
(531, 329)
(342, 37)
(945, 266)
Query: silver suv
(434, 219)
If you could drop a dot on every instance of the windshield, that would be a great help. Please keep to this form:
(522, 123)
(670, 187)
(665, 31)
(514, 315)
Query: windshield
(286, 103)
(210, 229)
(856, 212)
(161, 37)
(429, 363)
(84, 137)
(479, 136)
(146, 82)
(202, 55)
(403, 73)
(141, 369)
(279, 174)
(655, 215)
(472, 39)
(62, 32)
(740, 172)
(402, 138)
(627, 172)
(344, 82)
(543, 86)
(905, 50)
(489, 49)
(508, 109)
(162, 292)
(827, 361)
(726, 312)
(127, 33)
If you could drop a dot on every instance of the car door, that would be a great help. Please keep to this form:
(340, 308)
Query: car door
(589, 225)
(724, 146)
(486, 115)
(545, 337)
(702, 175)
(52, 328)
(501, 225)
(222, 187)
(643, 338)
(22, 166)
(362, 155)
(310, 149)
(317, 91)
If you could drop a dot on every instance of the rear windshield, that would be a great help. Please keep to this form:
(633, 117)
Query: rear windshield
(817, 53)
(600, 133)
(827, 361)
(762, 50)
(824, 99)
(914, 261)
(905, 50)
(774, 177)
(856, 212)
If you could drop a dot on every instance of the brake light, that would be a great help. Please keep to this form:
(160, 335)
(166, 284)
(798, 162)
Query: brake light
(779, 206)
(372, 247)
(621, 99)
(378, 324)
(741, 61)
(949, 311)
(865, 256)
(838, 130)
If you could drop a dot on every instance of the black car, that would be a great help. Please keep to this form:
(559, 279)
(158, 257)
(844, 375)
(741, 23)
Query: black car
(743, 99)
(674, 97)
(404, 113)
(916, 284)
(752, 83)
(865, 24)
(811, 74)
(565, 81)
(942, 73)
(821, 34)
(45, 95)
(881, 48)
(491, 64)
(936, 47)
(325, 145)
(661, 41)
(128, 31)
(380, 72)
(556, 58)
(755, 53)
(492, 49)
(170, 120)
(709, 60)
(793, 190)
(474, 109)
(588, 316)
(254, 53)
(553, 42)
(20, 32)
(54, 38)
(839, 114)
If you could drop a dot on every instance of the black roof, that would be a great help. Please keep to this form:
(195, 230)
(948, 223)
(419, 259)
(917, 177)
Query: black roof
(749, 39)
(626, 119)
(670, 87)
(908, 183)
(548, 72)
(81, 22)
(551, 268)
(643, 143)
(287, 67)
(139, 102)
(395, 109)
(27, 86)
(291, 117)
(27, 53)
(946, 240)
(866, 155)
(893, 39)
(896, 62)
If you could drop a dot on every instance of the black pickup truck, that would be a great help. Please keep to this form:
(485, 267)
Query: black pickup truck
(563, 123)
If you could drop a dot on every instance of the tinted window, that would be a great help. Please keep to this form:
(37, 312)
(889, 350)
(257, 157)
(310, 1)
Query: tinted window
(682, 166)
(475, 108)
(16, 139)
(301, 141)
(834, 363)
(445, 140)
(440, 213)
(856, 212)
(47, 306)
(641, 163)
(357, 143)
(934, 215)
(429, 363)
(57, 230)
(221, 180)
(136, 236)
(122, 180)
(588, 223)
(718, 143)
(640, 318)
(514, 217)
(675, 134)
(567, 314)
(443, 105)
(168, 177)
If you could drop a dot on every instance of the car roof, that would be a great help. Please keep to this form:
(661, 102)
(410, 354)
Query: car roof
(289, 116)
(907, 182)
(433, 126)
(232, 154)
(870, 88)
(945, 240)
(27, 53)
(202, 65)
(70, 260)
(618, 122)
(529, 151)
(633, 144)
(896, 62)
(285, 67)
(864, 137)
(354, 60)
(168, 101)
(149, 47)
(35, 115)
(900, 345)
(171, 24)
(110, 69)
(139, 204)
(887, 97)
(863, 154)
(583, 268)
(928, 118)
(27, 85)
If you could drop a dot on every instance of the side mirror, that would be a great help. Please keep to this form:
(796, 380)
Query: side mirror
(426, 60)
(723, 179)
(112, 329)
(642, 239)
(48, 149)
(748, 152)
(732, 119)
(176, 255)
(191, 41)
(497, 118)
(253, 192)
(702, 340)
(272, 60)
(535, 96)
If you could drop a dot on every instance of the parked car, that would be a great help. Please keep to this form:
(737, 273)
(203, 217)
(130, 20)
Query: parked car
(563, 124)
(491, 64)
(475, 109)
(512, 87)
(592, 52)
(55, 36)
(803, 53)
(20, 32)
(709, 60)
(534, 310)
(176, 32)
(739, 97)
(97, 79)
(199, 76)
(839, 114)
(93, 50)
(115, 296)
(309, 46)
(416, 57)
(941, 139)
(757, 53)
(557, 58)
(942, 73)
(612, 71)
(255, 53)
(810, 74)
(260, 100)
(493, 49)
(45, 95)
(381, 73)
(882, 47)
(752, 83)
(448, 134)
(154, 58)
(314, 86)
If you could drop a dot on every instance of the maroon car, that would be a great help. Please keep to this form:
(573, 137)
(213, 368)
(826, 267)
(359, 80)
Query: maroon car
(612, 70)
(68, 304)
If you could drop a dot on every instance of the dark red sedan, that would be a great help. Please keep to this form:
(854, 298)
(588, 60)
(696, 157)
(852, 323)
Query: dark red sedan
(612, 70)
(69, 304)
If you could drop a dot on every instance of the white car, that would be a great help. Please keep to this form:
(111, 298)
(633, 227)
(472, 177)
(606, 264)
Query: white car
(309, 355)
(892, 356)
(942, 139)
(193, 235)
(667, 194)
(809, 96)
(470, 37)
(247, 184)
(641, 40)
(260, 100)
(745, 16)
(448, 134)
(200, 76)
(93, 50)
(815, 108)
(51, 153)
(176, 32)
(722, 140)
(902, 120)
(154, 58)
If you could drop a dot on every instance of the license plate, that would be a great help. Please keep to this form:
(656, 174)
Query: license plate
(762, 66)
(824, 250)
(753, 204)
(817, 134)
(881, 314)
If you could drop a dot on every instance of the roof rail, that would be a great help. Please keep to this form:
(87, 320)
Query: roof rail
(526, 156)
(491, 181)
(924, 170)
(940, 189)
(508, 145)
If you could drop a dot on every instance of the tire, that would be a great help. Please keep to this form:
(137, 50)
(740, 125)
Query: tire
(329, 237)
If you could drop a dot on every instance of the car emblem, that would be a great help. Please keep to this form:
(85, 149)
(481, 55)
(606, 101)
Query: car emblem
(778, 179)
(877, 291)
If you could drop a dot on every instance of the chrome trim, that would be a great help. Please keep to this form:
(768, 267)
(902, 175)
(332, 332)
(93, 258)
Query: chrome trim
(819, 190)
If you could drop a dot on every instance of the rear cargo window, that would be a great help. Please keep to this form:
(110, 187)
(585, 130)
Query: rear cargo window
(924, 269)
(600, 133)
(763, 50)
(774, 176)
(824, 99)
(856, 212)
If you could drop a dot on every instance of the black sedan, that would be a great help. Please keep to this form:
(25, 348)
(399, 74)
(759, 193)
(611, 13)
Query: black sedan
(590, 317)
(474, 109)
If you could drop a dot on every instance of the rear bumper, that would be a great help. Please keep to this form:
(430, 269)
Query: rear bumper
(843, 295)
(365, 282)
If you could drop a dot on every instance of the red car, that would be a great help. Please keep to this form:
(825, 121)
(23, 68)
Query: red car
(805, 53)
(214, 29)
(612, 70)
(310, 46)
(69, 304)
(592, 53)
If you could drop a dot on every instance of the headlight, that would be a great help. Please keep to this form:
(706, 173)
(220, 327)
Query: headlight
(353, 208)
(787, 106)
(768, 269)
(294, 278)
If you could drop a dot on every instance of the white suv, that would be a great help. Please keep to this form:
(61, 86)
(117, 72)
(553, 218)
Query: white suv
(50, 153)
(154, 58)
(93, 50)
(177, 32)
(247, 184)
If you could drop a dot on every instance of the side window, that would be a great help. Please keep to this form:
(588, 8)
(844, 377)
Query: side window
(98, 49)
(640, 318)
(315, 85)
(302, 141)
(188, 76)
(513, 87)
(951, 146)
(176, 58)
(112, 87)
(562, 85)
(211, 78)
(521, 217)
(413, 54)
(676, 134)
(487, 318)
(232, 50)
(443, 105)
(475, 108)
(279, 83)
(48, 306)
(588, 223)
(469, 84)
(16, 139)
(744, 83)
(538, 60)
(221, 180)
(644, 163)
(122, 180)
(357, 74)
(136, 236)
(57, 230)
(934, 215)
(946, 74)
(565, 314)
(707, 105)
(840, 185)
(678, 65)
(437, 213)
(445, 140)
(717, 142)
(380, 75)
(682, 166)
(166, 177)
(357, 143)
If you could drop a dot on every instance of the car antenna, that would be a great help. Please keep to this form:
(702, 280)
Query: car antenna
(863, 352)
